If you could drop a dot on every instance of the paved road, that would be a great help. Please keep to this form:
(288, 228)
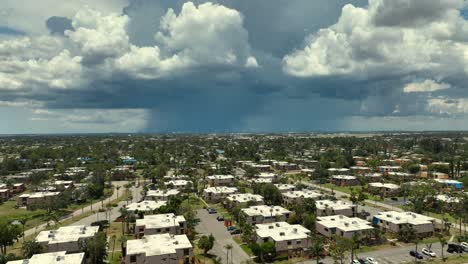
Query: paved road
(95, 207)
(209, 225)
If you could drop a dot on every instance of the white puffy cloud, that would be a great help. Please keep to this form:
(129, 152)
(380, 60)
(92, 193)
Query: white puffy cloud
(425, 86)
(357, 46)
(447, 106)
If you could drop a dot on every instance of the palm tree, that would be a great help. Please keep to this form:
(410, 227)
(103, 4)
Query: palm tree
(228, 248)
(316, 247)
(23, 221)
(113, 238)
(117, 188)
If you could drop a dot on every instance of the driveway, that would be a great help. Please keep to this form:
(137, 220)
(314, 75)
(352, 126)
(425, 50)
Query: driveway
(209, 225)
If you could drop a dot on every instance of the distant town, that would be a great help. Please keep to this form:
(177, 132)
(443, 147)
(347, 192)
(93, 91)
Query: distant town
(234, 198)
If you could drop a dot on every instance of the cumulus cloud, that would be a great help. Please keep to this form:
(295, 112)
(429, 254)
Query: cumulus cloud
(365, 43)
(425, 86)
(447, 106)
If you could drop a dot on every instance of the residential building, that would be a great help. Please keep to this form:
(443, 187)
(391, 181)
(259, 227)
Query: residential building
(338, 207)
(161, 195)
(384, 189)
(28, 199)
(283, 187)
(243, 199)
(66, 238)
(178, 184)
(159, 249)
(297, 197)
(5, 194)
(393, 221)
(452, 183)
(220, 180)
(261, 214)
(344, 180)
(216, 194)
(342, 226)
(145, 207)
(160, 223)
(60, 257)
(286, 237)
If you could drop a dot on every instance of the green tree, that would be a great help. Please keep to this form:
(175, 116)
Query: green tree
(206, 243)
(8, 235)
(316, 247)
(95, 248)
(338, 248)
(31, 248)
(407, 233)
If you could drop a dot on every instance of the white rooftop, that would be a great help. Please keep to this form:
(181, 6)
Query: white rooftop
(162, 193)
(220, 177)
(346, 224)
(156, 245)
(261, 180)
(404, 217)
(52, 258)
(384, 185)
(244, 198)
(160, 221)
(221, 189)
(281, 231)
(265, 210)
(335, 205)
(145, 206)
(67, 234)
(177, 182)
(39, 194)
(344, 177)
(303, 194)
(265, 175)
(284, 186)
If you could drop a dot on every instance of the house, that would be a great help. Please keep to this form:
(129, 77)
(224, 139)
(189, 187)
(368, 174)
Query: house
(452, 183)
(384, 189)
(259, 181)
(261, 214)
(282, 187)
(18, 188)
(360, 170)
(66, 238)
(161, 195)
(28, 199)
(387, 169)
(339, 207)
(344, 180)
(297, 197)
(393, 221)
(267, 175)
(60, 257)
(216, 194)
(285, 166)
(342, 226)
(220, 180)
(5, 194)
(160, 249)
(145, 206)
(243, 199)
(286, 237)
(336, 171)
(159, 224)
(178, 184)
(63, 185)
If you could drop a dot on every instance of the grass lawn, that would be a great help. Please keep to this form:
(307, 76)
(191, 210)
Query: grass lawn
(195, 202)
(244, 246)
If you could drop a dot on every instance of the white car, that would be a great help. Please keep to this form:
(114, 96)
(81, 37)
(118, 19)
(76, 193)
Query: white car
(370, 260)
(428, 252)
(464, 246)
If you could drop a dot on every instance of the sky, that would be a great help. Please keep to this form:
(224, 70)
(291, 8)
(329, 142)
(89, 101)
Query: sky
(86, 66)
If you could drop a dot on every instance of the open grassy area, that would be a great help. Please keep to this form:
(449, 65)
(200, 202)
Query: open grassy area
(244, 246)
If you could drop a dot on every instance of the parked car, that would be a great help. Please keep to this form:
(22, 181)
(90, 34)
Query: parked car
(416, 254)
(464, 246)
(394, 198)
(235, 232)
(370, 260)
(211, 211)
(220, 218)
(231, 228)
(428, 252)
(455, 248)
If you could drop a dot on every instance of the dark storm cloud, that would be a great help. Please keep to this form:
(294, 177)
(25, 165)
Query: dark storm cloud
(58, 25)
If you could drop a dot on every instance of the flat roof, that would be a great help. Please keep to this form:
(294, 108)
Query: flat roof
(59, 257)
(160, 221)
(67, 234)
(163, 193)
(302, 194)
(281, 231)
(404, 217)
(221, 189)
(265, 210)
(344, 177)
(244, 197)
(39, 194)
(160, 244)
(145, 206)
(384, 185)
(284, 186)
(343, 223)
(335, 205)
(220, 177)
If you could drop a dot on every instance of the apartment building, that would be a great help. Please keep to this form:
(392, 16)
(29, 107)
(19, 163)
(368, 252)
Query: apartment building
(145, 207)
(261, 214)
(160, 223)
(243, 199)
(286, 237)
(267, 175)
(28, 199)
(385, 189)
(283, 187)
(220, 180)
(159, 249)
(216, 194)
(60, 257)
(344, 180)
(393, 221)
(161, 195)
(178, 184)
(66, 238)
(259, 181)
(5, 194)
(342, 226)
(338, 207)
(336, 171)
(297, 197)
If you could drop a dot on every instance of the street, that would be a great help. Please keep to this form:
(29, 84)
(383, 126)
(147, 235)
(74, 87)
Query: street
(209, 225)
